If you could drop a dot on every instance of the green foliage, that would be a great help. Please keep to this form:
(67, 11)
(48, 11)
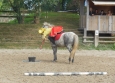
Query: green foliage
(49, 5)
(4, 5)
(0, 3)
(73, 5)
(38, 5)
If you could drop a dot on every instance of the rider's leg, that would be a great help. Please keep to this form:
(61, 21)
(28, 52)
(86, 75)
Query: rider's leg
(52, 39)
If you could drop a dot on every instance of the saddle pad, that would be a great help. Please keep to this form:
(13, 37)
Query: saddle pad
(57, 37)
(55, 30)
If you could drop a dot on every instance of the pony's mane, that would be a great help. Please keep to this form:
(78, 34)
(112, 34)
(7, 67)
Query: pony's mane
(47, 24)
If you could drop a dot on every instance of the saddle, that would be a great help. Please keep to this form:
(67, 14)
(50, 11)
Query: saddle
(56, 32)
(57, 37)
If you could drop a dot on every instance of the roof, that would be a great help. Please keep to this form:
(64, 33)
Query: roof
(108, 3)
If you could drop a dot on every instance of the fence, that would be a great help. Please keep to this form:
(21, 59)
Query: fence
(96, 39)
(11, 15)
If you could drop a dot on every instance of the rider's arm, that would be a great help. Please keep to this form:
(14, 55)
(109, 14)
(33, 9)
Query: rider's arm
(43, 40)
(44, 35)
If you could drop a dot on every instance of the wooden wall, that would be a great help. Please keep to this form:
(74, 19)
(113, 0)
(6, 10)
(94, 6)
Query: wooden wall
(83, 21)
(102, 23)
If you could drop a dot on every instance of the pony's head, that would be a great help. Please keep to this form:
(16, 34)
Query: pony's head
(41, 30)
(47, 25)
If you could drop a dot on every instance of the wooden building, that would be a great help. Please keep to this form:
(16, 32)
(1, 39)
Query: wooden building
(96, 22)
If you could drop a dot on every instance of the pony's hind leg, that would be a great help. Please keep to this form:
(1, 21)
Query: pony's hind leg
(69, 47)
(69, 60)
(73, 60)
(73, 57)
(72, 54)
(54, 52)
(74, 48)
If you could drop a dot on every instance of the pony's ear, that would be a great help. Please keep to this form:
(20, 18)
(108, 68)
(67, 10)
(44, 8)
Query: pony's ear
(45, 23)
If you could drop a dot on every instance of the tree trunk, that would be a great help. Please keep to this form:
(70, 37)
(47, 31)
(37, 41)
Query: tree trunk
(37, 13)
(36, 20)
(16, 7)
(19, 17)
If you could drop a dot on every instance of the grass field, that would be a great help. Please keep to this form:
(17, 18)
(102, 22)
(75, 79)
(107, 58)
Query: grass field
(26, 35)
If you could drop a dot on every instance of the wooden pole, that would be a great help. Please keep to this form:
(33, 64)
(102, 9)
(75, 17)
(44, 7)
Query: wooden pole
(85, 35)
(87, 17)
(87, 21)
(64, 73)
(81, 13)
(96, 38)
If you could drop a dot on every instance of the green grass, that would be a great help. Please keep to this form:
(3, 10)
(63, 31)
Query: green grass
(18, 36)
(14, 35)
(68, 20)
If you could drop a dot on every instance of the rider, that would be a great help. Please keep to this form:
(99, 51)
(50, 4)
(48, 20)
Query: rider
(52, 32)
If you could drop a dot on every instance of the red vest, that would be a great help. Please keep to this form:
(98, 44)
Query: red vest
(55, 30)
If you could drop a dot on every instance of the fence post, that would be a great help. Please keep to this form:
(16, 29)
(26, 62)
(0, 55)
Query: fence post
(96, 39)
(85, 34)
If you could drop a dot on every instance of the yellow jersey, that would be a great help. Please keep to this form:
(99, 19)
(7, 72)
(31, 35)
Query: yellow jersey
(44, 32)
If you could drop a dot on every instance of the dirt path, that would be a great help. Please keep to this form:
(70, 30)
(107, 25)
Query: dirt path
(13, 66)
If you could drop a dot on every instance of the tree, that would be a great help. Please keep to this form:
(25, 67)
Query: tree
(64, 4)
(4, 5)
(73, 5)
(68, 4)
(19, 5)
(16, 6)
(36, 6)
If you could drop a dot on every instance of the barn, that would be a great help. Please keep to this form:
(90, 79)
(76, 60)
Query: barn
(97, 22)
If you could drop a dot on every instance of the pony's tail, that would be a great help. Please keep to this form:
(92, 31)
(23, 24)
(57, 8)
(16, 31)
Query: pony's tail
(75, 44)
(74, 48)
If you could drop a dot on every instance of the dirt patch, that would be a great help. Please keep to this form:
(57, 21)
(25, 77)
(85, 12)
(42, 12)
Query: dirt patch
(13, 67)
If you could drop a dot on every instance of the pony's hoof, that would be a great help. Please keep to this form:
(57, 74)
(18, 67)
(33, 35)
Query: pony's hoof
(54, 60)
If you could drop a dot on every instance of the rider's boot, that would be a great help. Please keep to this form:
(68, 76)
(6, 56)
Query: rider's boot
(52, 40)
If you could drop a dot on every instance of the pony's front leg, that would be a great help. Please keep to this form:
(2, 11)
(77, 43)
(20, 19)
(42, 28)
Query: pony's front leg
(54, 52)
